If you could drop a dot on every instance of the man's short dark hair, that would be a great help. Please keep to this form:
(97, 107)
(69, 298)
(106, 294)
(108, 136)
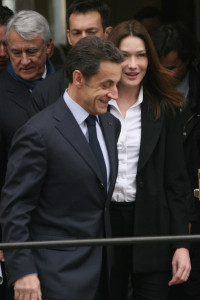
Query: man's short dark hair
(5, 15)
(87, 55)
(173, 37)
(83, 6)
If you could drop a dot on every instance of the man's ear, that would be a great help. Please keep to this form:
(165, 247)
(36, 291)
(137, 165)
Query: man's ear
(50, 48)
(78, 79)
(68, 37)
(107, 32)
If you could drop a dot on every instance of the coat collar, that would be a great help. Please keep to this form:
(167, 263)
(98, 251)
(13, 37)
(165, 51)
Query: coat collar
(150, 132)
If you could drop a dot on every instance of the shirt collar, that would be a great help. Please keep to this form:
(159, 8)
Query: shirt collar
(183, 86)
(79, 113)
(45, 72)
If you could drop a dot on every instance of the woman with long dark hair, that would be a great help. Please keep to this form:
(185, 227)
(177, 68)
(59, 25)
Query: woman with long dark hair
(150, 192)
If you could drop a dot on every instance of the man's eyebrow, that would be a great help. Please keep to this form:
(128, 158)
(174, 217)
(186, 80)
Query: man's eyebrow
(92, 28)
(109, 81)
(79, 29)
(31, 48)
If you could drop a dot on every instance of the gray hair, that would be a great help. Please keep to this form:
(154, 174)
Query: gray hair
(28, 24)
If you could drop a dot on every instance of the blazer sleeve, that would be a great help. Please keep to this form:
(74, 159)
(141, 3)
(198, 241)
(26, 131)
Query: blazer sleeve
(25, 173)
(177, 181)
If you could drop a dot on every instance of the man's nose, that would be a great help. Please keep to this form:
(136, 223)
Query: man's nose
(113, 93)
(25, 59)
(84, 34)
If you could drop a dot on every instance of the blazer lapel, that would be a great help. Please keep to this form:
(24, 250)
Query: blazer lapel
(150, 132)
(68, 127)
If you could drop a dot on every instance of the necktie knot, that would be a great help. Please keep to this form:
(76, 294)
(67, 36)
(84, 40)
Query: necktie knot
(91, 120)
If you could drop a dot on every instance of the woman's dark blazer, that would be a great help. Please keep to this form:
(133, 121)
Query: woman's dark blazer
(160, 197)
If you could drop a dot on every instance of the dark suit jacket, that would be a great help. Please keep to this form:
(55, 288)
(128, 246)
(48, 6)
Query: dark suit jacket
(54, 191)
(15, 110)
(49, 90)
(160, 196)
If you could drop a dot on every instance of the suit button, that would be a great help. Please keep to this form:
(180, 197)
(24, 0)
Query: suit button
(101, 185)
(141, 184)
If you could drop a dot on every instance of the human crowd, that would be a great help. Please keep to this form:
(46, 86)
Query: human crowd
(106, 144)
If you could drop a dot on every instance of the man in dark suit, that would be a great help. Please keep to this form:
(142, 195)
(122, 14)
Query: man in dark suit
(28, 41)
(54, 186)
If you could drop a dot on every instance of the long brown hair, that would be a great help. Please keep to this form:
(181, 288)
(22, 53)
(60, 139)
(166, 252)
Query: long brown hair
(158, 83)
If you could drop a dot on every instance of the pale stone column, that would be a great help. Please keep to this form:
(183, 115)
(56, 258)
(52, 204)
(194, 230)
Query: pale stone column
(53, 10)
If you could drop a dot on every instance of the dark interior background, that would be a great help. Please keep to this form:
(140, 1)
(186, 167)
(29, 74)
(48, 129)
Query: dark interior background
(172, 10)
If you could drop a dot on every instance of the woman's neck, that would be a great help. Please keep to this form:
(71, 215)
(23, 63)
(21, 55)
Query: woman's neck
(127, 97)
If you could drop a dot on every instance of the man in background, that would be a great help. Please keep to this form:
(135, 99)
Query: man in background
(87, 18)
(5, 15)
(84, 18)
(28, 41)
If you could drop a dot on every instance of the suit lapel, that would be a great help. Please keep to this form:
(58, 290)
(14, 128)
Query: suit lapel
(150, 132)
(68, 127)
(18, 92)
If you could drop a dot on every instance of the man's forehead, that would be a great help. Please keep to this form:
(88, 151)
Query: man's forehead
(109, 71)
(83, 20)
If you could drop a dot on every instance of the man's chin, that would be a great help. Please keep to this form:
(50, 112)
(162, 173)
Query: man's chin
(104, 108)
(102, 111)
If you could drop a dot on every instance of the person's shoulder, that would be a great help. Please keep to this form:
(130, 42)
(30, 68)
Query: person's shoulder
(52, 79)
(41, 117)
(5, 77)
(49, 90)
(7, 82)
(3, 73)
(7, 86)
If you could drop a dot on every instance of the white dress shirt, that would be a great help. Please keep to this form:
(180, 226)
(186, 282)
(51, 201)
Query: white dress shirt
(44, 75)
(128, 150)
(183, 86)
(80, 114)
